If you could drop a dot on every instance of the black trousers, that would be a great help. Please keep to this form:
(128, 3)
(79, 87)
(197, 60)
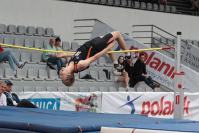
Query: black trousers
(139, 78)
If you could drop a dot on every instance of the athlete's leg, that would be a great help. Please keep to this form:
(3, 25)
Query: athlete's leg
(118, 37)
(111, 55)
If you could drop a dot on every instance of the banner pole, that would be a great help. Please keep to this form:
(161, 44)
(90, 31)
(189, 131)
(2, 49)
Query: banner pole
(178, 82)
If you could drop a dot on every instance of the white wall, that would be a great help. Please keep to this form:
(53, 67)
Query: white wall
(60, 15)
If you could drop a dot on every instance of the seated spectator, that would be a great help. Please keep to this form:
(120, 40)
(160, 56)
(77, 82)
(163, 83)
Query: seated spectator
(6, 55)
(58, 47)
(3, 101)
(120, 74)
(13, 99)
(52, 58)
(139, 73)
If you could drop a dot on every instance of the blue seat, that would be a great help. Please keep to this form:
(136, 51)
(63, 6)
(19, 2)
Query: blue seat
(38, 43)
(39, 31)
(21, 30)
(30, 30)
(11, 29)
(28, 42)
(49, 32)
(19, 41)
(2, 28)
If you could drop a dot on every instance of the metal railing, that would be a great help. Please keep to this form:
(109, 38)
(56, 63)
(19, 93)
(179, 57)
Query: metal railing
(154, 36)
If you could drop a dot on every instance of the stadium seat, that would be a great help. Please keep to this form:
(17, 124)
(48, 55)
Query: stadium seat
(30, 30)
(83, 73)
(63, 89)
(143, 5)
(9, 74)
(2, 28)
(117, 3)
(121, 89)
(155, 7)
(149, 6)
(31, 74)
(1, 72)
(96, 1)
(101, 61)
(104, 89)
(52, 89)
(39, 31)
(136, 4)
(74, 46)
(73, 89)
(1, 40)
(18, 88)
(42, 75)
(66, 46)
(53, 75)
(21, 73)
(130, 89)
(112, 89)
(46, 43)
(110, 2)
(94, 74)
(39, 88)
(129, 3)
(36, 57)
(102, 76)
(30, 88)
(38, 43)
(173, 9)
(161, 8)
(21, 30)
(84, 89)
(124, 3)
(19, 41)
(168, 8)
(9, 40)
(28, 42)
(94, 89)
(104, 2)
(195, 43)
(24, 56)
(16, 53)
(11, 29)
(49, 32)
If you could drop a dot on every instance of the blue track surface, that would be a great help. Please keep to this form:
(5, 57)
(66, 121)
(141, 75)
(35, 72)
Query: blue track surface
(24, 120)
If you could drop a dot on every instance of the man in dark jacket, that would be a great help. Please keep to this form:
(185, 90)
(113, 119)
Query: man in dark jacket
(139, 73)
(13, 99)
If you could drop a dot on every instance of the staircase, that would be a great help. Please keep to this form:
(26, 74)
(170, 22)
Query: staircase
(183, 7)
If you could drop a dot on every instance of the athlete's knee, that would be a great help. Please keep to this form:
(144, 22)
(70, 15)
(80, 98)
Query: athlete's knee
(116, 34)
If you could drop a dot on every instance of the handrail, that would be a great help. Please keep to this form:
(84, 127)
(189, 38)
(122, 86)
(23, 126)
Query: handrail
(157, 28)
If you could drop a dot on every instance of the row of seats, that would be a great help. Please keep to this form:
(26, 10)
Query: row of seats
(35, 57)
(69, 89)
(36, 42)
(23, 30)
(140, 87)
(39, 74)
(133, 4)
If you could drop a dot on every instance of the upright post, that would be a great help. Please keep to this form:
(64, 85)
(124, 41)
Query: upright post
(178, 82)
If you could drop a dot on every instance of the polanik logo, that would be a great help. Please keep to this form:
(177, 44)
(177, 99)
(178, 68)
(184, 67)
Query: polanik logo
(130, 103)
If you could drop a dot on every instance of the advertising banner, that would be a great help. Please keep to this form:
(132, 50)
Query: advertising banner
(158, 104)
(71, 101)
